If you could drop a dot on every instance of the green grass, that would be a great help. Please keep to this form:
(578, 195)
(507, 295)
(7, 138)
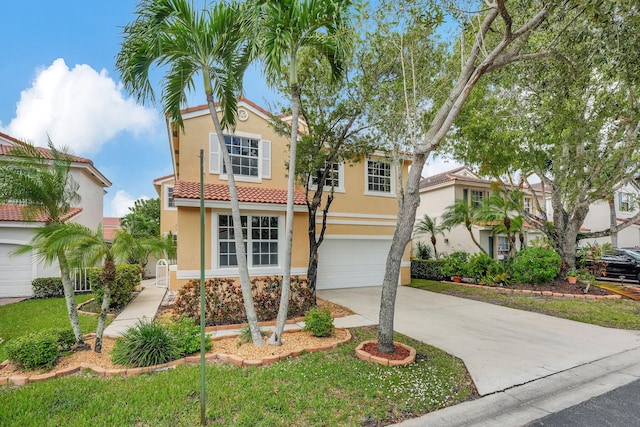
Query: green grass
(25, 317)
(315, 389)
(620, 313)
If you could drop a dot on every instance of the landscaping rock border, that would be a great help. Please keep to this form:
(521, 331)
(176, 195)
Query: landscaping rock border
(19, 380)
(543, 293)
(367, 357)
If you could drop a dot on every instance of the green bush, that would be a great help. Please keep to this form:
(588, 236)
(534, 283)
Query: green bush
(423, 251)
(319, 322)
(47, 287)
(145, 344)
(429, 269)
(535, 265)
(455, 264)
(224, 303)
(481, 265)
(40, 349)
(127, 278)
(187, 336)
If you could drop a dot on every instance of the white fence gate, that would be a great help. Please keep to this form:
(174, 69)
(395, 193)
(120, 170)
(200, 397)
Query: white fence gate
(162, 273)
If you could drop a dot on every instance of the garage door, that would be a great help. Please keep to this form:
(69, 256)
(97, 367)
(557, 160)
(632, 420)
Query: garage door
(346, 263)
(15, 273)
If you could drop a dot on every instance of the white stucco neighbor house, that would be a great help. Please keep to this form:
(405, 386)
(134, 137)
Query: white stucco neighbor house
(16, 273)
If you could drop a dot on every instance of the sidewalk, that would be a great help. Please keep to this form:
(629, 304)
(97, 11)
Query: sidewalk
(144, 306)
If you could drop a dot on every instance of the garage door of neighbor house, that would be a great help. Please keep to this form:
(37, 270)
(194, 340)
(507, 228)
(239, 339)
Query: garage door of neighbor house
(347, 263)
(15, 273)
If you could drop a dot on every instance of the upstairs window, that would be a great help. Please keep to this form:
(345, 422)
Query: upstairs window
(476, 198)
(250, 156)
(626, 202)
(379, 177)
(334, 177)
(528, 205)
(170, 202)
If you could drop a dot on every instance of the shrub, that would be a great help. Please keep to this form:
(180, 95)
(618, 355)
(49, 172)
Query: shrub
(47, 287)
(429, 269)
(224, 303)
(187, 336)
(40, 349)
(127, 278)
(423, 251)
(318, 322)
(481, 265)
(535, 265)
(145, 344)
(455, 264)
(246, 337)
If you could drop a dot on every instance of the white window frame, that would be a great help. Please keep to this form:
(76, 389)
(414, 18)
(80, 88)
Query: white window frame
(528, 205)
(339, 188)
(476, 203)
(168, 187)
(626, 202)
(502, 249)
(216, 164)
(392, 180)
(253, 269)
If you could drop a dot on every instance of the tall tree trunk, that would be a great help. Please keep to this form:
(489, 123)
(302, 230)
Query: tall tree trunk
(316, 240)
(276, 337)
(473, 238)
(108, 278)
(613, 221)
(241, 254)
(433, 243)
(70, 300)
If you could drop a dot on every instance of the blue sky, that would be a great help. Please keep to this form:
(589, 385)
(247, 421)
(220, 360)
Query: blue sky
(58, 77)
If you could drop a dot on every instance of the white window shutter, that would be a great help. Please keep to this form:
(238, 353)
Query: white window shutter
(265, 158)
(214, 154)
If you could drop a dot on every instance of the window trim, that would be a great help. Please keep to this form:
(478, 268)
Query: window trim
(264, 158)
(472, 201)
(336, 189)
(628, 202)
(166, 198)
(392, 174)
(253, 269)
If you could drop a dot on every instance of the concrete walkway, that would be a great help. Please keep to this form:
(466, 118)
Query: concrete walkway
(144, 306)
(501, 347)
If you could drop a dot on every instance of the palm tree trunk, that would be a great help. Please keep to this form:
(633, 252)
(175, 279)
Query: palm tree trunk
(241, 255)
(276, 337)
(473, 238)
(108, 278)
(69, 296)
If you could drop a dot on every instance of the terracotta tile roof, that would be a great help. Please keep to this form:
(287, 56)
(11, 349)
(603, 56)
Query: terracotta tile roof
(191, 190)
(5, 149)
(14, 213)
(110, 225)
(450, 176)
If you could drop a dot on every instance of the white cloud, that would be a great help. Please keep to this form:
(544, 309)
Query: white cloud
(79, 108)
(121, 202)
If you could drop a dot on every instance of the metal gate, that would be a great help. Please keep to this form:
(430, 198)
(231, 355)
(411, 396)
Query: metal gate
(162, 273)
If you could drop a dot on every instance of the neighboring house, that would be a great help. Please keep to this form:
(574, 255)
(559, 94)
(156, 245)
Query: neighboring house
(437, 192)
(110, 225)
(361, 221)
(16, 273)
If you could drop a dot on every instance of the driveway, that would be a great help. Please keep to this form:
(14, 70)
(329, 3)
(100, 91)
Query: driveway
(501, 347)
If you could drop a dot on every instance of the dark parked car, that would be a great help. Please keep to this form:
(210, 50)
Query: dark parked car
(622, 262)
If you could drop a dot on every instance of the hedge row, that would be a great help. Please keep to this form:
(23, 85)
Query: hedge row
(429, 269)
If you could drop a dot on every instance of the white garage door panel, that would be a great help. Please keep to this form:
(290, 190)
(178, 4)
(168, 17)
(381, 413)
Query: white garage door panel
(15, 273)
(345, 263)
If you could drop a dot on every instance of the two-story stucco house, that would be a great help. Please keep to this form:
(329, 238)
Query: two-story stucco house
(16, 273)
(360, 224)
(437, 192)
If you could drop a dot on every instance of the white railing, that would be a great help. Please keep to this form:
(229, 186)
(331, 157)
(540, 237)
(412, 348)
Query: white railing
(162, 273)
(80, 280)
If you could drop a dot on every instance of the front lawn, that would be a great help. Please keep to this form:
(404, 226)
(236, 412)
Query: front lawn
(315, 389)
(29, 316)
(619, 313)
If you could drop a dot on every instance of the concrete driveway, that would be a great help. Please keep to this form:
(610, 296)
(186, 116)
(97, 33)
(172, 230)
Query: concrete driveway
(500, 346)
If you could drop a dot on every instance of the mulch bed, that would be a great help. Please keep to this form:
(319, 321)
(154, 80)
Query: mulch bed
(399, 353)
(564, 287)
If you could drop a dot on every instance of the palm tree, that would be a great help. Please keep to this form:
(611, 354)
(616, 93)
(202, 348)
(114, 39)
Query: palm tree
(45, 188)
(428, 226)
(284, 29)
(192, 44)
(500, 209)
(91, 248)
(461, 213)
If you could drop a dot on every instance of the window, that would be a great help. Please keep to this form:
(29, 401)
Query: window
(250, 156)
(260, 234)
(379, 176)
(503, 247)
(626, 202)
(476, 198)
(333, 179)
(528, 205)
(169, 202)
(244, 155)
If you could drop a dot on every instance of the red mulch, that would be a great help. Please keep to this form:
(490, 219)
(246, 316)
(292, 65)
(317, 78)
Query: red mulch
(399, 353)
(564, 287)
